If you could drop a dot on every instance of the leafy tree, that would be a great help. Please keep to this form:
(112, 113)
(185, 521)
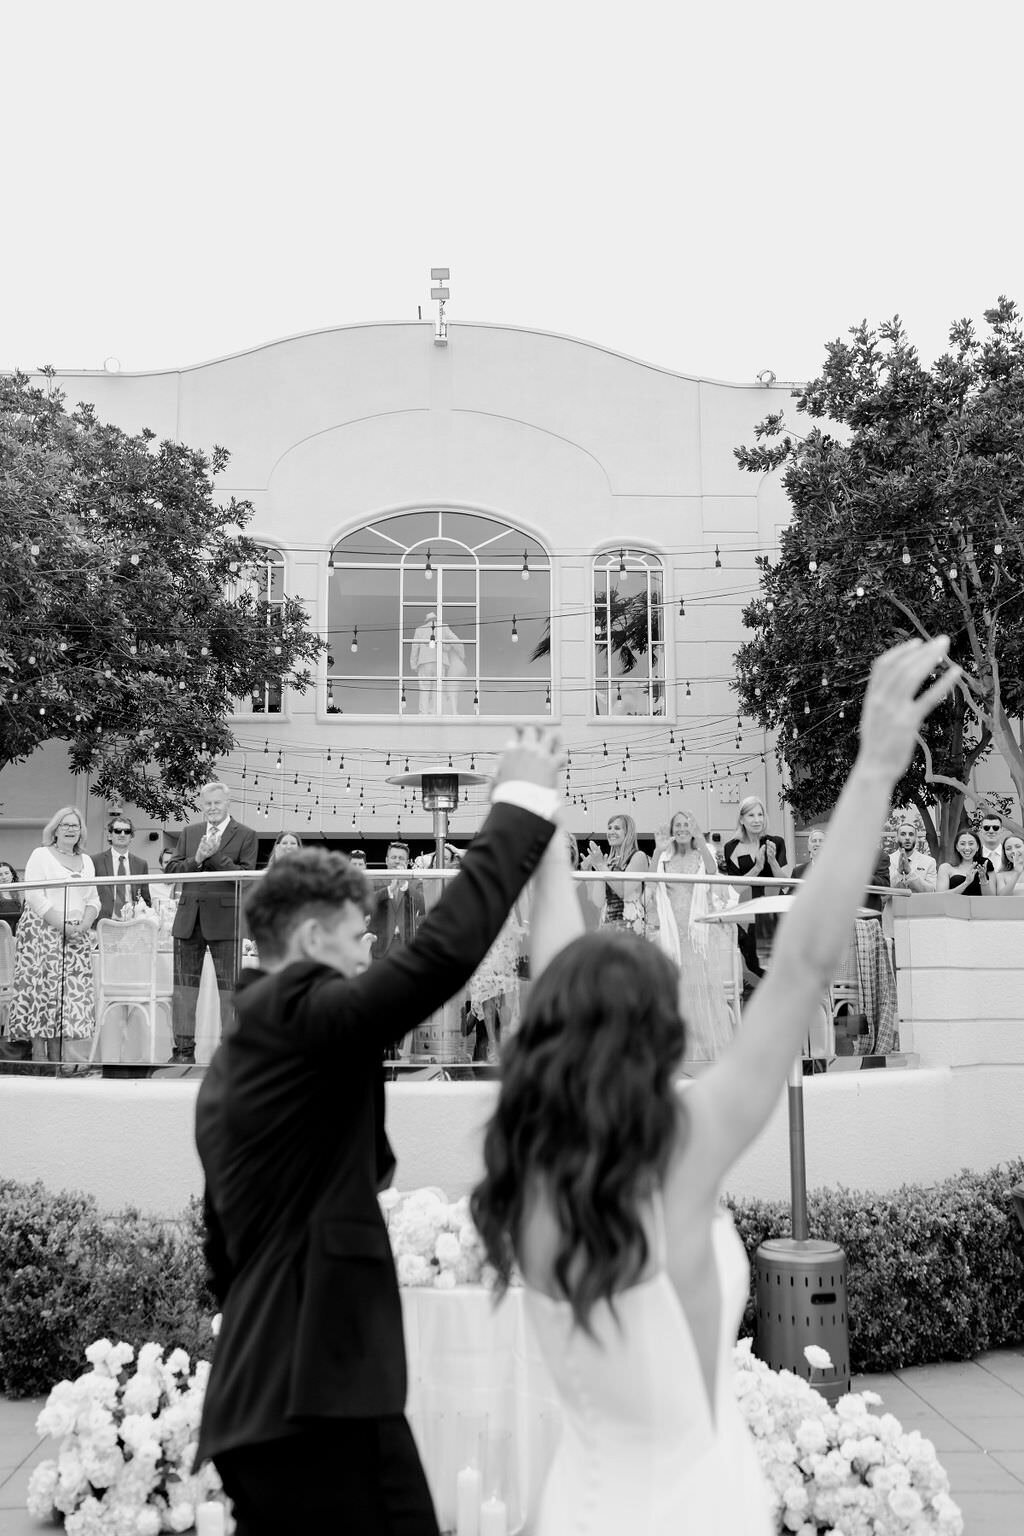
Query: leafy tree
(129, 623)
(908, 519)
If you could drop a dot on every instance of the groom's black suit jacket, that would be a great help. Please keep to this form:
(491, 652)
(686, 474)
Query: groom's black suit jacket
(289, 1127)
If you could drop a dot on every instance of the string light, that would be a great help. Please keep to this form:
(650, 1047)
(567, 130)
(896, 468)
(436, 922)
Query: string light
(515, 631)
(433, 634)
(718, 558)
(997, 548)
(525, 572)
(682, 609)
(860, 589)
(428, 569)
(622, 565)
(812, 564)
(355, 639)
(905, 557)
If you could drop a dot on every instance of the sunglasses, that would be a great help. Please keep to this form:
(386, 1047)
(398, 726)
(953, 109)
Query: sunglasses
(994, 827)
(122, 831)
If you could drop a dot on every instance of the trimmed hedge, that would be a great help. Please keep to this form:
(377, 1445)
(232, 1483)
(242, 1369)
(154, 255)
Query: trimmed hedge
(69, 1275)
(934, 1273)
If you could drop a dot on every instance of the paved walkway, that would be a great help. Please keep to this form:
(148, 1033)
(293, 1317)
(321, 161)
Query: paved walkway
(973, 1412)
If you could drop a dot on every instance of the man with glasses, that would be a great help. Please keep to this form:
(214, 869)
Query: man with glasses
(992, 842)
(118, 860)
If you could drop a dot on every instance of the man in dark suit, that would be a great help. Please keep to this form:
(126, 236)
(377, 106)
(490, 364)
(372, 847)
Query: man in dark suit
(118, 859)
(207, 913)
(304, 1409)
(396, 909)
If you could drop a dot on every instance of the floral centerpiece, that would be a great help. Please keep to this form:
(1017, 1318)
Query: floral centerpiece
(127, 1443)
(840, 1471)
(434, 1240)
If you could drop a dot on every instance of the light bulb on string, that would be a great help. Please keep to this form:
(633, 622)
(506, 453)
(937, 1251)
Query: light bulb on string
(718, 558)
(952, 573)
(688, 693)
(860, 589)
(622, 565)
(433, 634)
(905, 557)
(812, 564)
(428, 569)
(997, 548)
(515, 631)
(682, 609)
(355, 639)
(525, 572)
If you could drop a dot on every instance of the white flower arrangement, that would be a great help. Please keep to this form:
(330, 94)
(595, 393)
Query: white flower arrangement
(433, 1240)
(840, 1471)
(127, 1443)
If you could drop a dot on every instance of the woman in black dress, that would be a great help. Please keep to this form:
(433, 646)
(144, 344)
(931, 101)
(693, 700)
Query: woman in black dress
(11, 902)
(969, 876)
(755, 851)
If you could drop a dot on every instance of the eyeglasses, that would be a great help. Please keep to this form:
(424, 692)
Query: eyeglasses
(121, 831)
(69, 826)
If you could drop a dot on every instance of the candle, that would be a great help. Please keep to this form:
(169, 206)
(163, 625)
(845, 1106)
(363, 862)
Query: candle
(493, 1518)
(467, 1502)
(210, 1518)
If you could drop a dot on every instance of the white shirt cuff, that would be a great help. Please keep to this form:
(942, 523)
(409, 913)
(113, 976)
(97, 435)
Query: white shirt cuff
(537, 798)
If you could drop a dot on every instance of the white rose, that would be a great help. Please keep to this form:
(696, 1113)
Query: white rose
(215, 1324)
(97, 1353)
(447, 1250)
(42, 1485)
(811, 1438)
(818, 1358)
(150, 1356)
(413, 1269)
(444, 1281)
(181, 1517)
(147, 1522)
(905, 1503)
(178, 1362)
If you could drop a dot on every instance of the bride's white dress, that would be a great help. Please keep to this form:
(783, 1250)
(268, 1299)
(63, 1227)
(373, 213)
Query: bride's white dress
(643, 1450)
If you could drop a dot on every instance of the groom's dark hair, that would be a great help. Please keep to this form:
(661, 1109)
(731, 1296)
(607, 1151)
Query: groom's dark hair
(309, 883)
(588, 1105)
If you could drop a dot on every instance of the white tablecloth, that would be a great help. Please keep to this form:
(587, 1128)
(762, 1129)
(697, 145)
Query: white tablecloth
(474, 1372)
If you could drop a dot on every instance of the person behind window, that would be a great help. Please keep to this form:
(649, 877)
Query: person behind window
(53, 973)
(621, 901)
(11, 902)
(969, 876)
(1010, 879)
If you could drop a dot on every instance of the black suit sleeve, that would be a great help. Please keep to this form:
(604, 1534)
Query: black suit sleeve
(362, 1015)
(218, 1265)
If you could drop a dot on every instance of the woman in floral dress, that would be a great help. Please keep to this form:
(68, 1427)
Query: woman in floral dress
(691, 944)
(53, 972)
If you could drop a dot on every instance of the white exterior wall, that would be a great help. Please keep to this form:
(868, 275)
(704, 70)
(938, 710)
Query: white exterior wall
(578, 446)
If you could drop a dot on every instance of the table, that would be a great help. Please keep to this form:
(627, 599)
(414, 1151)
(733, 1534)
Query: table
(475, 1371)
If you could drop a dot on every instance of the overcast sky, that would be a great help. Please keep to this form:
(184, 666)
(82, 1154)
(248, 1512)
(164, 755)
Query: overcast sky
(716, 189)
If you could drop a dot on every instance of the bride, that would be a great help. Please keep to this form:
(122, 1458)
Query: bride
(603, 1181)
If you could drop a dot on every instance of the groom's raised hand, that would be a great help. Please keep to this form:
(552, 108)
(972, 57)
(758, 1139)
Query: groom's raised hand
(534, 756)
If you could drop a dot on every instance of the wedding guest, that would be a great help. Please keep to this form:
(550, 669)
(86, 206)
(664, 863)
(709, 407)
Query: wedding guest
(603, 1180)
(815, 843)
(285, 843)
(688, 941)
(304, 1407)
(969, 876)
(118, 859)
(1010, 880)
(396, 908)
(206, 918)
(909, 868)
(11, 902)
(755, 851)
(992, 842)
(621, 901)
(53, 974)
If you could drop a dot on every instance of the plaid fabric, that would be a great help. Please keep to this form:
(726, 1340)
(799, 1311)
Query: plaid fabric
(877, 985)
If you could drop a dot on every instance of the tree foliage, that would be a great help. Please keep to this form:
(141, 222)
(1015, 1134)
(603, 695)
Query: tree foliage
(130, 624)
(907, 519)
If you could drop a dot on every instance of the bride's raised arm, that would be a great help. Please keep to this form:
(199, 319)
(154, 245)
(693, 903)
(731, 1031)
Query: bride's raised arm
(731, 1103)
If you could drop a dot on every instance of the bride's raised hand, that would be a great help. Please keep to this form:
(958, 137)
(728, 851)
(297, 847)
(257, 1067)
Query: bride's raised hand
(897, 702)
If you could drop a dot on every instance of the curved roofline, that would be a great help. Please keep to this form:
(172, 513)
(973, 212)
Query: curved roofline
(453, 325)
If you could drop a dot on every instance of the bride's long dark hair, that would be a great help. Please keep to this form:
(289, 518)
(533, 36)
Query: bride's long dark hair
(586, 1105)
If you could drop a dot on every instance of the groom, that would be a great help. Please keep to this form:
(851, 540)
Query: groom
(304, 1410)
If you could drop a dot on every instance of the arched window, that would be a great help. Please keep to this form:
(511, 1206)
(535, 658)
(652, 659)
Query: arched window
(629, 633)
(264, 579)
(434, 613)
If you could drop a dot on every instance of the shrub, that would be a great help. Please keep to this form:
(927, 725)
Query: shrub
(69, 1276)
(934, 1273)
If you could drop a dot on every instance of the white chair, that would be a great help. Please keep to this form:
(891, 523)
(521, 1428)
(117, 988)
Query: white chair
(129, 976)
(6, 974)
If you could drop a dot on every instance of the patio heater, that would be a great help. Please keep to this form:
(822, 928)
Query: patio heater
(439, 789)
(800, 1281)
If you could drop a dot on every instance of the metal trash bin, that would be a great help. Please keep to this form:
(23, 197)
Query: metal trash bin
(800, 1300)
